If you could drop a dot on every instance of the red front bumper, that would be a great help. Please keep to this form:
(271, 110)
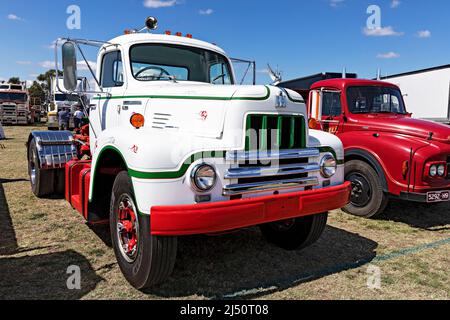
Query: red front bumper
(235, 214)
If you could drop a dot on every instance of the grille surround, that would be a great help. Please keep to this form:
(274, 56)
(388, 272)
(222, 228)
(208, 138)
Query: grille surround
(275, 158)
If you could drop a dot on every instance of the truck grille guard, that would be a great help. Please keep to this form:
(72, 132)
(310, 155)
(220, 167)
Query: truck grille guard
(275, 157)
(255, 178)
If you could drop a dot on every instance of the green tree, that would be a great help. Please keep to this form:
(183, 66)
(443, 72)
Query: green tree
(14, 80)
(45, 79)
(36, 91)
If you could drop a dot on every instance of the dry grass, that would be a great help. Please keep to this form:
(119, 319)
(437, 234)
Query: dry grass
(39, 239)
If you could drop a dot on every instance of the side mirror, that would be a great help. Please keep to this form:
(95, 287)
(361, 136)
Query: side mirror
(69, 60)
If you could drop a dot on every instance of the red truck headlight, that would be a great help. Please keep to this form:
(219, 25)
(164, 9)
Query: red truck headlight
(436, 169)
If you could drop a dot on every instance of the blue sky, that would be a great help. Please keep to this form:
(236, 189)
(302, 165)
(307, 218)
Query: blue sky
(301, 37)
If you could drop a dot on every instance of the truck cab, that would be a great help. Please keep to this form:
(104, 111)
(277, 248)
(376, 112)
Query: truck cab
(59, 99)
(14, 104)
(174, 147)
(387, 153)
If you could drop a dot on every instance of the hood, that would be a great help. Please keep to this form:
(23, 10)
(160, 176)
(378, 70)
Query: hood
(199, 109)
(408, 126)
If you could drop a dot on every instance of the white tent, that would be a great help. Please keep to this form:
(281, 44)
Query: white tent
(2, 133)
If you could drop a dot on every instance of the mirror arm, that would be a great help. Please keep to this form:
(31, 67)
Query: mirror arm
(89, 67)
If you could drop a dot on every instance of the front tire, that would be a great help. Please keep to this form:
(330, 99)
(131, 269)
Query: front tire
(144, 260)
(368, 200)
(295, 234)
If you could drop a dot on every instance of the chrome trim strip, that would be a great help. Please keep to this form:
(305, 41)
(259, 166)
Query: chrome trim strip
(272, 155)
(256, 172)
(240, 189)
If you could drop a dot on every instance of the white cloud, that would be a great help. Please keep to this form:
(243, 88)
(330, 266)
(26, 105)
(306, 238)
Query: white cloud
(81, 65)
(159, 3)
(336, 3)
(33, 75)
(24, 62)
(382, 32)
(395, 3)
(50, 46)
(206, 12)
(424, 34)
(47, 64)
(14, 17)
(388, 55)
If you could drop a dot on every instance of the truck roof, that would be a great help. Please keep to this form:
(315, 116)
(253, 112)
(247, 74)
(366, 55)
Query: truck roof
(344, 83)
(135, 38)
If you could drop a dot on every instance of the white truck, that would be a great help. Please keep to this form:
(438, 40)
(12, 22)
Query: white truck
(59, 99)
(176, 148)
(426, 92)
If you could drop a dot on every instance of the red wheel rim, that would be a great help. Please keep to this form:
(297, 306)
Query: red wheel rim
(127, 228)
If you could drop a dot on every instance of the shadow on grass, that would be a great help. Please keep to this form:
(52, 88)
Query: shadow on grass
(243, 263)
(39, 276)
(431, 217)
(8, 240)
(44, 276)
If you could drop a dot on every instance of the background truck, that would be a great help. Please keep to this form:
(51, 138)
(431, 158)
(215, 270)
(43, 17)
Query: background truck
(387, 153)
(59, 98)
(14, 104)
(174, 147)
(426, 92)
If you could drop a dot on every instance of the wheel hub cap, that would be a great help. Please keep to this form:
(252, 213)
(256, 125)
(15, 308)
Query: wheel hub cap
(361, 190)
(127, 228)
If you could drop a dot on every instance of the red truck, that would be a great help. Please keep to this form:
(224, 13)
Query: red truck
(388, 154)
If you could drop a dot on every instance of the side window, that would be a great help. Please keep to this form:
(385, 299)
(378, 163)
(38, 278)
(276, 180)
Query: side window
(112, 70)
(219, 74)
(331, 105)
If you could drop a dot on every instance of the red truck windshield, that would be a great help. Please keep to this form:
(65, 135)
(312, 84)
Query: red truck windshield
(375, 100)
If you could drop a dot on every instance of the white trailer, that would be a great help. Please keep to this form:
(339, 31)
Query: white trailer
(426, 92)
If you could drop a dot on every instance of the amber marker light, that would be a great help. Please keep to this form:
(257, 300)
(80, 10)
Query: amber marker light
(312, 123)
(137, 120)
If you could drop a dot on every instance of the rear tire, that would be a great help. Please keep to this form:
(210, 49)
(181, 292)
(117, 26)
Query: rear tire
(368, 200)
(144, 260)
(42, 181)
(295, 234)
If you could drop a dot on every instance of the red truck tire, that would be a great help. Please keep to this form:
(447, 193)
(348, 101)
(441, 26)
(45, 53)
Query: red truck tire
(368, 199)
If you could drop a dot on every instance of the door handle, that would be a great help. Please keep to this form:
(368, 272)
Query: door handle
(119, 107)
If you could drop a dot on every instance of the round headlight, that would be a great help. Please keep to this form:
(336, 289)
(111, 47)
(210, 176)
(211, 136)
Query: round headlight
(203, 177)
(433, 171)
(328, 166)
(441, 170)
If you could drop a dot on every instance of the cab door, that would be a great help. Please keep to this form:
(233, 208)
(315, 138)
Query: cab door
(109, 103)
(325, 109)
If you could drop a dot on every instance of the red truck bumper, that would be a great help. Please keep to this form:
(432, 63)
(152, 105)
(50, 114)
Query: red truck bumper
(235, 214)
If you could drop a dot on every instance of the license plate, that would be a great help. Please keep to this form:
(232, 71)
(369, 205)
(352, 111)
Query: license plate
(438, 196)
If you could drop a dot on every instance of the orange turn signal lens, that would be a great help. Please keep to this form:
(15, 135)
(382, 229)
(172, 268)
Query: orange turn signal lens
(137, 120)
(312, 123)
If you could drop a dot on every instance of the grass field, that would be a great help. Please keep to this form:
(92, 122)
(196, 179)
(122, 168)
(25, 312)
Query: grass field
(40, 239)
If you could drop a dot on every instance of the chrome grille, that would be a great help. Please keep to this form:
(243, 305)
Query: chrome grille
(258, 171)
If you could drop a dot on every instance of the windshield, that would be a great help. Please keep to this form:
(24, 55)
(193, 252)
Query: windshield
(156, 62)
(13, 96)
(375, 100)
(65, 97)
